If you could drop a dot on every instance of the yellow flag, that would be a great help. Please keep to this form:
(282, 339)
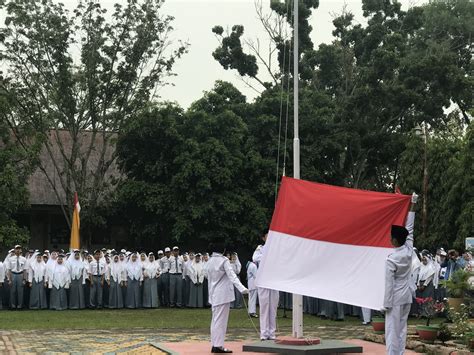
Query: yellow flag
(76, 223)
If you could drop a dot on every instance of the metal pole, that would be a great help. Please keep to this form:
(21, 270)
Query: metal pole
(297, 299)
(425, 182)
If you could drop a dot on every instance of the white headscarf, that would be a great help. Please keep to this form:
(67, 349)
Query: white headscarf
(76, 267)
(116, 269)
(426, 271)
(60, 275)
(152, 268)
(134, 268)
(196, 272)
(38, 268)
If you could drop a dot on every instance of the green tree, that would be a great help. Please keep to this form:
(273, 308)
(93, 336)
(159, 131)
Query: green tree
(200, 179)
(16, 165)
(77, 101)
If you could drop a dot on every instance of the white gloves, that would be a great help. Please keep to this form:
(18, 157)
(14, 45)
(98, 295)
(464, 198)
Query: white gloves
(245, 292)
(414, 198)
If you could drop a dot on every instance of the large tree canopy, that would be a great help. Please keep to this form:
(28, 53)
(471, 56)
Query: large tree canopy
(76, 78)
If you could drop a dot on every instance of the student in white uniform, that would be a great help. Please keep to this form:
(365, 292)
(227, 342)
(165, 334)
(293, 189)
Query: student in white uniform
(165, 278)
(16, 277)
(97, 270)
(398, 284)
(268, 300)
(58, 284)
(253, 293)
(221, 277)
(37, 282)
(176, 278)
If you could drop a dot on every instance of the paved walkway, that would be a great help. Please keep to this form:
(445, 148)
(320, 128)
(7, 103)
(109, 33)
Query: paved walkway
(139, 340)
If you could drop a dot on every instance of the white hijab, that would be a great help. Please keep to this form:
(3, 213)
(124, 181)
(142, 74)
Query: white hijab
(116, 269)
(134, 268)
(76, 266)
(38, 268)
(152, 268)
(60, 275)
(427, 270)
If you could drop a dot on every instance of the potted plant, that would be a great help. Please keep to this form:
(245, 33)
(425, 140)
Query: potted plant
(378, 324)
(457, 286)
(428, 309)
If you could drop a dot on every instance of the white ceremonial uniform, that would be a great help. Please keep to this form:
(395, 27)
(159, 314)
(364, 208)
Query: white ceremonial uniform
(221, 282)
(268, 300)
(399, 292)
(251, 276)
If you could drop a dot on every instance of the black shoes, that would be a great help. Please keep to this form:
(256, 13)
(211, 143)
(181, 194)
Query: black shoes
(220, 350)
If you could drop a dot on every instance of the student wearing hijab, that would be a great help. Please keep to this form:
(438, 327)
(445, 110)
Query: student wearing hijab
(425, 288)
(59, 283)
(37, 282)
(78, 272)
(123, 259)
(105, 295)
(134, 281)
(196, 276)
(151, 273)
(116, 277)
(97, 270)
(188, 260)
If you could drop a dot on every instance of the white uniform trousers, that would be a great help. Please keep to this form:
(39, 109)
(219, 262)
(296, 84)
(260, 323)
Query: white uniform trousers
(268, 300)
(220, 317)
(253, 301)
(366, 315)
(396, 319)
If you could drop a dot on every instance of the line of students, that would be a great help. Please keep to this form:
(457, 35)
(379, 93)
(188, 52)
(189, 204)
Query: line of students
(113, 280)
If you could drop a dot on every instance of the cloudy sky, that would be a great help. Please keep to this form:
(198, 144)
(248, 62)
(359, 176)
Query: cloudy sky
(194, 19)
(197, 71)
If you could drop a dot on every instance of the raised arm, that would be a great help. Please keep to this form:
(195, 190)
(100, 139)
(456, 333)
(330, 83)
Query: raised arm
(410, 221)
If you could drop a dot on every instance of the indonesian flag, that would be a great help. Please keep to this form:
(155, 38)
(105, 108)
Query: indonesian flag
(331, 242)
(76, 224)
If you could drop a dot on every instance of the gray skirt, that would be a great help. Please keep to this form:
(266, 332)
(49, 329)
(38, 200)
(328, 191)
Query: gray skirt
(76, 295)
(38, 296)
(133, 294)
(150, 293)
(58, 299)
(196, 296)
(115, 294)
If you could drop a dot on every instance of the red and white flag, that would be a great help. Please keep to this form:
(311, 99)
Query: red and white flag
(331, 242)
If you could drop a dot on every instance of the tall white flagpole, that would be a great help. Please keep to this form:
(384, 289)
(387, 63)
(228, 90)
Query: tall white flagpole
(297, 299)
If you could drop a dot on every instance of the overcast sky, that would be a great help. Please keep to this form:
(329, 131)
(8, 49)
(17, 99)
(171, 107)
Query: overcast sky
(197, 70)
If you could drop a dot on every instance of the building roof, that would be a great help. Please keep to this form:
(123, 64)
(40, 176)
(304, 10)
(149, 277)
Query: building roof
(53, 162)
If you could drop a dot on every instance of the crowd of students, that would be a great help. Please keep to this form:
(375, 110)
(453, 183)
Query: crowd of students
(124, 279)
(105, 279)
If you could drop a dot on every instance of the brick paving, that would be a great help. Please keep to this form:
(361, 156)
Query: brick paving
(134, 341)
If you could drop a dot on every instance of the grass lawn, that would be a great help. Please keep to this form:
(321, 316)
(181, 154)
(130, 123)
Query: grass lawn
(153, 318)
